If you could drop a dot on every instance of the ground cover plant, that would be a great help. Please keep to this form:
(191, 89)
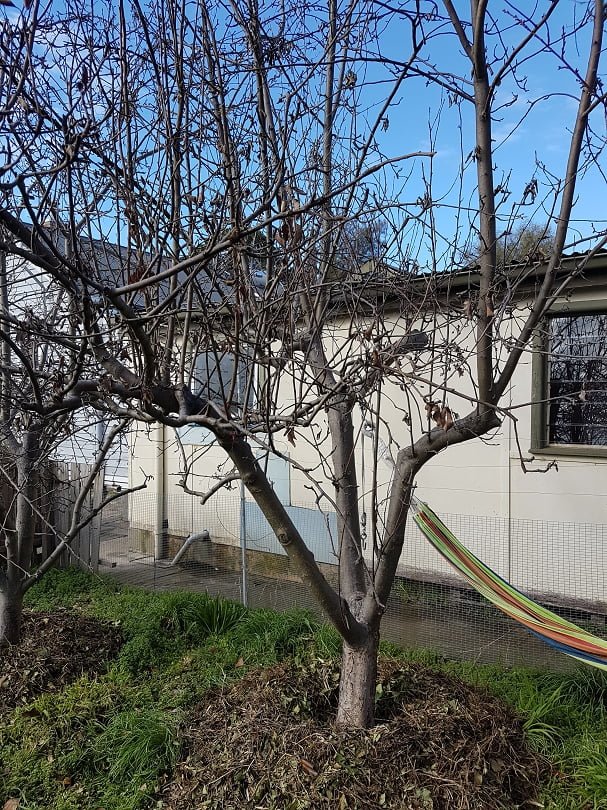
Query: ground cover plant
(181, 700)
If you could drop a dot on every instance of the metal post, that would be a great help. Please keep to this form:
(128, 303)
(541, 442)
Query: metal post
(100, 430)
(243, 511)
(162, 525)
(243, 545)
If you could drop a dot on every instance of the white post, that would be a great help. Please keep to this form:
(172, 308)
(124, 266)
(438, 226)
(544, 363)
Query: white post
(243, 502)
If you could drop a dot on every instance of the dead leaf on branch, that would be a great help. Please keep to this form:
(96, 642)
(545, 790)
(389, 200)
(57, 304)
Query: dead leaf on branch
(442, 415)
(489, 306)
(432, 409)
(445, 419)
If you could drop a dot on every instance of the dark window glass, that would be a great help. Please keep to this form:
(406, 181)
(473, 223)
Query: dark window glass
(577, 380)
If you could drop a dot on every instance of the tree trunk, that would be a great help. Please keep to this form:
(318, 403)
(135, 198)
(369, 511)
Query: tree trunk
(11, 612)
(27, 495)
(355, 708)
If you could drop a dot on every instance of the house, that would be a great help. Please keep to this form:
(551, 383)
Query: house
(529, 499)
(32, 295)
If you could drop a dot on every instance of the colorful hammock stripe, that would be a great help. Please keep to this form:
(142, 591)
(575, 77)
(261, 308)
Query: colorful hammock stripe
(543, 623)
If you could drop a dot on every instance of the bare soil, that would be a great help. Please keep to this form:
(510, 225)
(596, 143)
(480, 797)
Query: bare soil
(57, 648)
(268, 743)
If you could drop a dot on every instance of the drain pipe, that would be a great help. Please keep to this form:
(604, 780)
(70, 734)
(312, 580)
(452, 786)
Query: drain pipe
(161, 514)
(193, 538)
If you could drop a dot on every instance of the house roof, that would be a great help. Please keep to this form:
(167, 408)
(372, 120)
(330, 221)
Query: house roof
(373, 284)
(595, 267)
(390, 291)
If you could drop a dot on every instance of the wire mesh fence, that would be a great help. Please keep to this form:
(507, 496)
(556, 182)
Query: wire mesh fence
(227, 548)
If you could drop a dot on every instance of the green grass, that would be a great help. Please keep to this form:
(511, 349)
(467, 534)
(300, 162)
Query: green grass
(106, 743)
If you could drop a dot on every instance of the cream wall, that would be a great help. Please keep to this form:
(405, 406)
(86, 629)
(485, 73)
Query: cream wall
(564, 506)
(543, 530)
(184, 513)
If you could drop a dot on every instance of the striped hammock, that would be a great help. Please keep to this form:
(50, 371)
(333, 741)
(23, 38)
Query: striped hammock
(548, 626)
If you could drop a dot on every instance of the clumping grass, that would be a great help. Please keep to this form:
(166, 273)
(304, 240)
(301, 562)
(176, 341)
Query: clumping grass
(157, 626)
(131, 750)
(106, 742)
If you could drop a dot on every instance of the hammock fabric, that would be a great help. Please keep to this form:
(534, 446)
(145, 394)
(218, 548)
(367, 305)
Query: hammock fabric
(551, 628)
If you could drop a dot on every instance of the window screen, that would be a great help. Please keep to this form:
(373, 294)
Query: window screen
(577, 379)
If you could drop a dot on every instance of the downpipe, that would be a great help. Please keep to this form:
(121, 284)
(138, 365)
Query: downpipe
(189, 541)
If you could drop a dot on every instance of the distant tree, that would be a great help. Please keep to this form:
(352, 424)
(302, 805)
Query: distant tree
(361, 243)
(526, 243)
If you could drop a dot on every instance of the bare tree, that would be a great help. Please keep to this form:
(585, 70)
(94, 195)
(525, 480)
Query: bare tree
(42, 357)
(225, 150)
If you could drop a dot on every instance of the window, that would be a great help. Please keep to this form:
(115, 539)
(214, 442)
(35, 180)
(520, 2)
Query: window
(570, 370)
(222, 379)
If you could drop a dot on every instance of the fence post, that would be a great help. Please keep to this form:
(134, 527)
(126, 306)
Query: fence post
(79, 553)
(243, 545)
(96, 498)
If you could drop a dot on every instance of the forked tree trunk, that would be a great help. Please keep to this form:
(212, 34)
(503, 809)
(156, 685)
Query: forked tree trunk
(355, 708)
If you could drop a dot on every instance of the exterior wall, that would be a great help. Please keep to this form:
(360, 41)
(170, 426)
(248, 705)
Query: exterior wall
(544, 531)
(30, 289)
(565, 505)
(220, 516)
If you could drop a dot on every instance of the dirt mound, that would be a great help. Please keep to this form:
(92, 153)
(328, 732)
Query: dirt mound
(57, 648)
(268, 743)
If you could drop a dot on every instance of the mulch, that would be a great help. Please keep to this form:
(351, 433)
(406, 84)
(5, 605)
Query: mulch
(268, 742)
(57, 648)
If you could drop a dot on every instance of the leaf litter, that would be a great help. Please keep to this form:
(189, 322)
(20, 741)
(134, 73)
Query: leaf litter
(268, 742)
(57, 648)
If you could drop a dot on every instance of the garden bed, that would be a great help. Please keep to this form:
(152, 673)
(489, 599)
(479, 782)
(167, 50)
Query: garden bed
(57, 648)
(123, 699)
(269, 743)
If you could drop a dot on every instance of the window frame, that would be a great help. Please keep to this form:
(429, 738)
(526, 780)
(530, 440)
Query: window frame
(539, 384)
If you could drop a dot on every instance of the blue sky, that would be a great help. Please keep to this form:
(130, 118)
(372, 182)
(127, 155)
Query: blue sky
(545, 102)
(544, 99)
